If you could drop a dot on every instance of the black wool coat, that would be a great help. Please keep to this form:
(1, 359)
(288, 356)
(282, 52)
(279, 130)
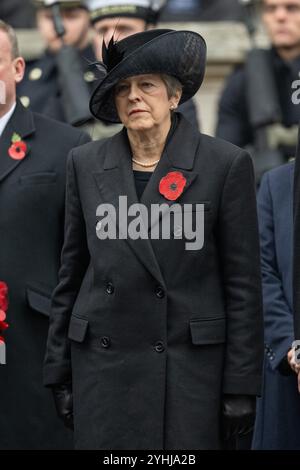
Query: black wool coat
(32, 192)
(151, 334)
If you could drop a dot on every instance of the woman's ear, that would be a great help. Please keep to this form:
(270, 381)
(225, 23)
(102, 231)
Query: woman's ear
(176, 98)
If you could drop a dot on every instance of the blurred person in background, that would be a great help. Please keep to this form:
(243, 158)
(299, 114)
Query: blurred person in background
(203, 10)
(60, 82)
(257, 107)
(17, 13)
(277, 425)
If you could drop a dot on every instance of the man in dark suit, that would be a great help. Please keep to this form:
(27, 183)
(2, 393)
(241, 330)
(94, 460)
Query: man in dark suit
(277, 423)
(32, 180)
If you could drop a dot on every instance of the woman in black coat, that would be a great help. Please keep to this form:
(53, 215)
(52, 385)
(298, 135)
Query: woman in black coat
(156, 324)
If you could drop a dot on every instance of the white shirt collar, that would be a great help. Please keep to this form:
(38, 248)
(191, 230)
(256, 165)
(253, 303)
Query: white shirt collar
(4, 119)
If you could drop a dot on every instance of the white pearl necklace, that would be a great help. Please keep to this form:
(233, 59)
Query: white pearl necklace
(145, 165)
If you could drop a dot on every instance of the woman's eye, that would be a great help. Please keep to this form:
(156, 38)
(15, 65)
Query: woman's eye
(147, 84)
(121, 89)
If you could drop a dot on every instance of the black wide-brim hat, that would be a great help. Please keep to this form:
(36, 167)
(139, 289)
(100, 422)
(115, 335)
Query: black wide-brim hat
(181, 54)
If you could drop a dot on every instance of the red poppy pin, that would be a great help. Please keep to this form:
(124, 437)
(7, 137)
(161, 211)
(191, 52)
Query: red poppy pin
(3, 308)
(3, 296)
(172, 185)
(18, 147)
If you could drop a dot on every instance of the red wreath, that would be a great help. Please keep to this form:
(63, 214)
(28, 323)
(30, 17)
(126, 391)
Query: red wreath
(18, 148)
(172, 185)
(3, 308)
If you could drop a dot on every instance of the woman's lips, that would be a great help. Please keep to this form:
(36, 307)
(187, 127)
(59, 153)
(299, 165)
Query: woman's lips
(134, 111)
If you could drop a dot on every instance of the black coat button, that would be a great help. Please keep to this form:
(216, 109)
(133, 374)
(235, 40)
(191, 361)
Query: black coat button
(159, 347)
(109, 288)
(159, 292)
(105, 342)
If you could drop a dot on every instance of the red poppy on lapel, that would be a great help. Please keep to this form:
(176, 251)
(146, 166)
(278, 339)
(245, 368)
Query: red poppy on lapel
(172, 185)
(18, 147)
(3, 296)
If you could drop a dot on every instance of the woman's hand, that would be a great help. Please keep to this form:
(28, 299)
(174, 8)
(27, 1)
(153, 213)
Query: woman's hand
(292, 362)
(238, 415)
(63, 399)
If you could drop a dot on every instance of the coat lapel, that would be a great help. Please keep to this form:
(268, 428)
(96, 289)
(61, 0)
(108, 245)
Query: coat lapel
(179, 155)
(117, 179)
(21, 122)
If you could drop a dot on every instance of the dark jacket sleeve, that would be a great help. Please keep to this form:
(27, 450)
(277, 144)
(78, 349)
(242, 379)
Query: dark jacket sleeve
(278, 318)
(233, 122)
(74, 262)
(239, 251)
(296, 257)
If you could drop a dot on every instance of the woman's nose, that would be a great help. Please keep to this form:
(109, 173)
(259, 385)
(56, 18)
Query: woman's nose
(133, 92)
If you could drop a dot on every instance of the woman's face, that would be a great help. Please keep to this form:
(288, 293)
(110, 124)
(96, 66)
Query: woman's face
(142, 102)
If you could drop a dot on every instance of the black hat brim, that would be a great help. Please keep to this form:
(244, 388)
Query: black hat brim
(181, 54)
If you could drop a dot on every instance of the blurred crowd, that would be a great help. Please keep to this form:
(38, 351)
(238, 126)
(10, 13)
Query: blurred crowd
(20, 13)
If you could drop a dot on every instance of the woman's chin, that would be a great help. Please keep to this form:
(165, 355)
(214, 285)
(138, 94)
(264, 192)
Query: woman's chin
(140, 125)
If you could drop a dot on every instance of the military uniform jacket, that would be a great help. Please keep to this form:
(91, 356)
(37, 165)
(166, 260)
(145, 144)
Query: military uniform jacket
(234, 123)
(41, 88)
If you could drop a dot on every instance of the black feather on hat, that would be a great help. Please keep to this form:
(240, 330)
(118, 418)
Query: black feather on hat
(181, 54)
(111, 55)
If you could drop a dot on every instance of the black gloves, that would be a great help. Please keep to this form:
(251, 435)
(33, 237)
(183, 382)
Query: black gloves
(63, 399)
(238, 411)
(238, 415)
